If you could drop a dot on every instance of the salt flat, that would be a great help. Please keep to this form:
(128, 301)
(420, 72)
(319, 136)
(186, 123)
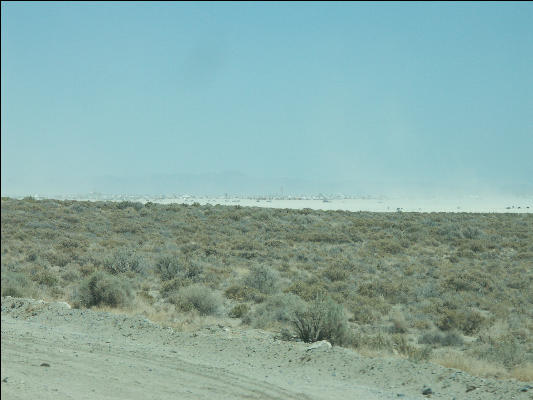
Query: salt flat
(470, 204)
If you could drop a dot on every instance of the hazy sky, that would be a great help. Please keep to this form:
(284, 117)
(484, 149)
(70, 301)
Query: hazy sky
(429, 92)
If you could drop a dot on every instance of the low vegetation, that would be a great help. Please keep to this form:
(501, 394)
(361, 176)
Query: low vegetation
(456, 289)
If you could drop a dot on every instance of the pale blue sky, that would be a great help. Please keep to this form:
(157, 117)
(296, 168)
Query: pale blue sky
(431, 93)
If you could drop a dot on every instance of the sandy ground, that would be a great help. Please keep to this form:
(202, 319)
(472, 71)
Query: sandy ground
(50, 351)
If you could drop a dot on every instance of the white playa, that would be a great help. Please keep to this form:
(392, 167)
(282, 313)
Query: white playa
(465, 204)
(459, 204)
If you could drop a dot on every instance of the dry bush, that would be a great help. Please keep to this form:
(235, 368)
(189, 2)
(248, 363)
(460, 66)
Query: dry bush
(244, 293)
(335, 274)
(262, 278)
(508, 350)
(103, 289)
(523, 372)
(399, 324)
(199, 298)
(458, 360)
(308, 290)
(413, 353)
(280, 308)
(169, 267)
(467, 321)
(366, 310)
(125, 260)
(16, 284)
(323, 319)
(441, 339)
(239, 311)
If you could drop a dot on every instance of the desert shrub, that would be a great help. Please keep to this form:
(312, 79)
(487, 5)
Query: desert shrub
(122, 205)
(399, 324)
(198, 297)
(308, 290)
(336, 274)
(505, 349)
(32, 256)
(468, 281)
(70, 275)
(413, 353)
(366, 310)
(244, 293)
(376, 342)
(388, 246)
(280, 308)
(523, 372)
(47, 278)
(394, 291)
(16, 284)
(323, 319)
(102, 288)
(467, 321)
(124, 260)
(263, 279)
(194, 271)
(239, 311)
(471, 232)
(441, 339)
(59, 258)
(364, 314)
(168, 267)
(174, 285)
(87, 269)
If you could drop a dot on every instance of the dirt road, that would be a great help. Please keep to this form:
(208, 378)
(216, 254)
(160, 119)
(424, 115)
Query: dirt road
(50, 351)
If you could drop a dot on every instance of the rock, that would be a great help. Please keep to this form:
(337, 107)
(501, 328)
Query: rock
(64, 304)
(323, 345)
(427, 391)
(470, 388)
(526, 388)
(5, 379)
(45, 364)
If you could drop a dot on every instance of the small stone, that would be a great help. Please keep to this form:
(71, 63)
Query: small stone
(427, 391)
(5, 379)
(322, 345)
(400, 395)
(470, 388)
(45, 365)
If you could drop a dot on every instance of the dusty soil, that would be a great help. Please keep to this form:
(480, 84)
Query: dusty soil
(50, 351)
